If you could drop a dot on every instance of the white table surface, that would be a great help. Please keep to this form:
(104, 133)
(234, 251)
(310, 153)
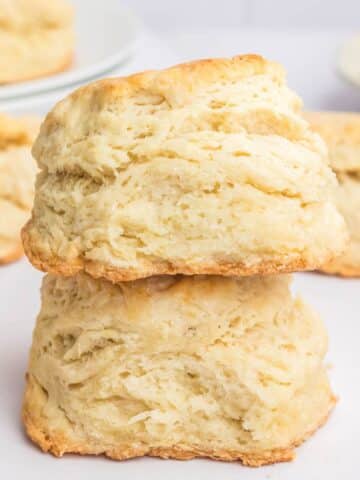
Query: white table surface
(332, 453)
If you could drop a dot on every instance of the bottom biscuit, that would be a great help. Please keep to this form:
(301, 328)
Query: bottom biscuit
(176, 367)
(54, 439)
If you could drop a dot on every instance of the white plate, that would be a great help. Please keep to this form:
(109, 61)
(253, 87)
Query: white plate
(146, 57)
(105, 37)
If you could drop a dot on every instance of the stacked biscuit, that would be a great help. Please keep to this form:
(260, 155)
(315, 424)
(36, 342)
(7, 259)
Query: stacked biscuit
(17, 176)
(166, 205)
(341, 131)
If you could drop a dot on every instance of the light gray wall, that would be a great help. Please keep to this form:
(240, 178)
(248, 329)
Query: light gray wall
(190, 14)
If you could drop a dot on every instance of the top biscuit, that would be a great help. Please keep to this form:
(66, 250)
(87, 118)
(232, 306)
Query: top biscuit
(203, 168)
(36, 38)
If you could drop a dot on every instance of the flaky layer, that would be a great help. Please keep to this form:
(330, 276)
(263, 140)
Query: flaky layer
(17, 178)
(176, 366)
(36, 38)
(202, 168)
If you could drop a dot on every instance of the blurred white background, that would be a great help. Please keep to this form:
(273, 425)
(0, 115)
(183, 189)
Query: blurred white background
(305, 36)
(168, 15)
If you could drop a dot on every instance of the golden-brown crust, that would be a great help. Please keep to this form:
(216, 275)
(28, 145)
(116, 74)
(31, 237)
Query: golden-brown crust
(58, 444)
(180, 79)
(189, 76)
(66, 63)
(14, 254)
(96, 269)
(340, 269)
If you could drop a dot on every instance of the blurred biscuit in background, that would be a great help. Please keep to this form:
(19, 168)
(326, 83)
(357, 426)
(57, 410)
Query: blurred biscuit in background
(36, 38)
(341, 131)
(17, 176)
